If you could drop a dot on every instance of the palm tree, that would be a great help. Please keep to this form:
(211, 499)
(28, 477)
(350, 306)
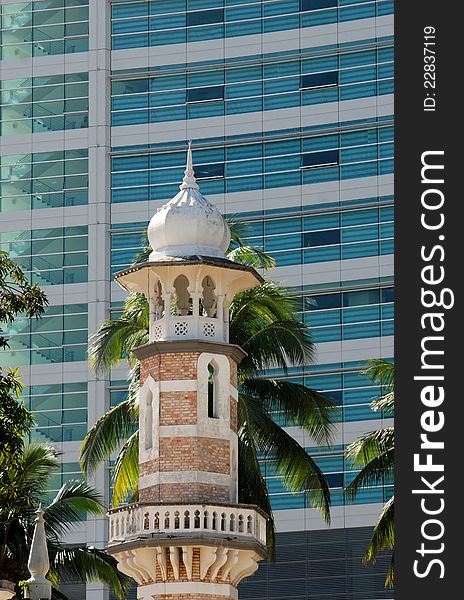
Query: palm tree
(23, 485)
(374, 453)
(263, 322)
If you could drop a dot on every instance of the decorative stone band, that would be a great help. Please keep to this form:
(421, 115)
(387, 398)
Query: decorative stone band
(184, 477)
(135, 520)
(164, 347)
(217, 567)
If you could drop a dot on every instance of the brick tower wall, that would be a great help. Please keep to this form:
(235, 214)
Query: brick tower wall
(191, 458)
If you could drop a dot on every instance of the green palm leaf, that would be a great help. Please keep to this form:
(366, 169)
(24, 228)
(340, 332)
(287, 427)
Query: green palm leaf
(374, 452)
(126, 470)
(72, 503)
(383, 538)
(298, 404)
(89, 565)
(107, 434)
(298, 470)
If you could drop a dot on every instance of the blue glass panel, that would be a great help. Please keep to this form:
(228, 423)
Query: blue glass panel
(357, 234)
(241, 184)
(315, 4)
(360, 11)
(172, 113)
(243, 90)
(319, 96)
(243, 28)
(206, 32)
(315, 159)
(281, 101)
(284, 259)
(319, 80)
(283, 179)
(130, 41)
(322, 254)
(360, 250)
(246, 105)
(172, 36)
(361, 330)
(130, 117)
(279, 23)
(167, 98)
(130, 26)
(201, 110)
(205, 17)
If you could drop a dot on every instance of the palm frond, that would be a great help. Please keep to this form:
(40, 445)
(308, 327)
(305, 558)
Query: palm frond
(376, 472)
(381, 372)
(371, 445)
(251, 257)
(252, 486)
(385, 403)
(38, 461)
(107, 434)
(72, 503)
(116, 338)
(298, 404)
(279, 344)
(298, 470)
(383, 538)
(126, 470)
(90, 565)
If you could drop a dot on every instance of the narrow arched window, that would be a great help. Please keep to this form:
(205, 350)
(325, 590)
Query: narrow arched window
(149, 421)
(182, 294)
(211, 391)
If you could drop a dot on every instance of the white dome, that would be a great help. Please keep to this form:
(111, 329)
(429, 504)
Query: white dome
(188, 224)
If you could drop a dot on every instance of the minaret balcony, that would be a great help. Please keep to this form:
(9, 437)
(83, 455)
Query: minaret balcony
(139, 520)
(188, 327)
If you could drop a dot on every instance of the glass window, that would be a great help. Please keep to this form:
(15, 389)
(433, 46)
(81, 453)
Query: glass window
(209, 171)
(306, 5)
(321, 238)
(318, 159)
(319, 80)
(204, 94)
(205, 17)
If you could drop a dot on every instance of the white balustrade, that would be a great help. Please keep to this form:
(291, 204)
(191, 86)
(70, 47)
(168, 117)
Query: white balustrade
(187, 327)
(134, 520)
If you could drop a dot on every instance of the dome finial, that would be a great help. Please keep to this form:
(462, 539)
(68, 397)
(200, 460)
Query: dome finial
(189, 180)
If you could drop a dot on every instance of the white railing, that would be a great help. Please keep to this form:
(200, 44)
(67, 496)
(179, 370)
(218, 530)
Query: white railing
(134, 520)
(188, 327)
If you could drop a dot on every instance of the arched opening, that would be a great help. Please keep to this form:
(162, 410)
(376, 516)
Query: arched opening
(208, 299)
(233, 477)
(158, 302)
(212, 391)
(149, 420)
(182, 295)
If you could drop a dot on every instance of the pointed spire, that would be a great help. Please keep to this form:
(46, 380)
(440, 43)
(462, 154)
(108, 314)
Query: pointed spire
(189, 180)
(39, 564)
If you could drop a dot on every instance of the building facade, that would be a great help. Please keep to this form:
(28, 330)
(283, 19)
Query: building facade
(290, 106)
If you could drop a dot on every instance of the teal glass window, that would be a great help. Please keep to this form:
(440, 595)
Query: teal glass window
(50, 256)
(306, 5)
(59, 336)
(42, 104)
(205, 17)
(59, 410)
(321, 238)
(43, 28)
(318, 159)
(209, 171)
(316, 80)
(215, 92)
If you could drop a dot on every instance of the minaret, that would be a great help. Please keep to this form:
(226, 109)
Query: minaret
(39, 587)
(188, 537)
